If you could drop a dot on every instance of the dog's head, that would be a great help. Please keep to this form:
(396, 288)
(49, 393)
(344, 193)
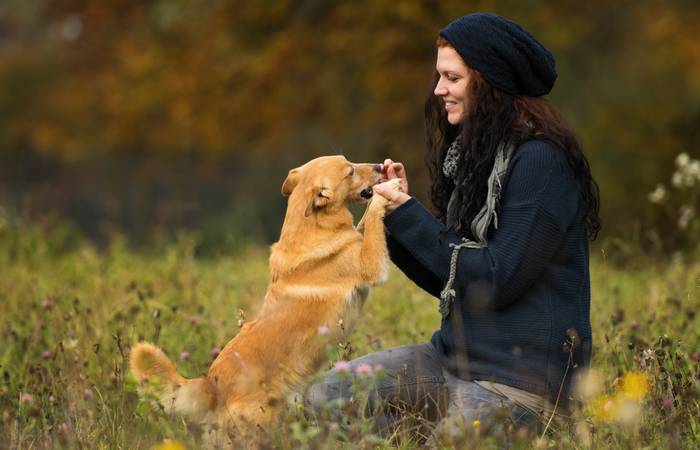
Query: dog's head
(331, 181)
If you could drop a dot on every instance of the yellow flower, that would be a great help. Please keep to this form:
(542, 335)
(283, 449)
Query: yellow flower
(604, 408)
(635, 386)
(476, 423)
(169, 444)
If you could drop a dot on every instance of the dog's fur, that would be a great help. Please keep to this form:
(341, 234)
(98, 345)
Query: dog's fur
(321, 270)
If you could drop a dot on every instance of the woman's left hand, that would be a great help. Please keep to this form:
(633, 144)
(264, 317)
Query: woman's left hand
(395, 198)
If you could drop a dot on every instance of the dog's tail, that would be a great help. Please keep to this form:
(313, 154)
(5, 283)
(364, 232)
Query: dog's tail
(192, 398)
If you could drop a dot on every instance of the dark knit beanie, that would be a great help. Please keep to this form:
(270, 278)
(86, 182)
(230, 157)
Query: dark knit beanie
(507, 56)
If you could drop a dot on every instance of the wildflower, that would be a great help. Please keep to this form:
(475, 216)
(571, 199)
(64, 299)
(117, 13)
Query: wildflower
(52, 398)
(363, 369)
(169, 444)
(323, 330)
(695, 356)
(677, 179)
(648, 354)
(46, 354)
(687, 214)
(635, 386)
(341, 366)
(694, 169)
(214, 352)
(659, 194)
(682, 160)
(26, 398)
(667, 403)
(604, 408)
(333, 426)
(63, 427)
(88, 394)
(185, 356)
(193, 320)
(47, 304)
(476, 424)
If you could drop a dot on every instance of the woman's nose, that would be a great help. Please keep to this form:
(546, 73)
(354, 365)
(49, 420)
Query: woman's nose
(440, 89)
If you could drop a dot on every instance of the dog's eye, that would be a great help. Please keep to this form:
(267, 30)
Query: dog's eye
(352, 171)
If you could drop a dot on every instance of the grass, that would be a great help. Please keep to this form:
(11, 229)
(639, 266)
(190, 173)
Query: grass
(70, 312)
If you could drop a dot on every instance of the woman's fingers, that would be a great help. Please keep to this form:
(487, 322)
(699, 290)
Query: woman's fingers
(385, 168)
(391, 170)
(399, 170)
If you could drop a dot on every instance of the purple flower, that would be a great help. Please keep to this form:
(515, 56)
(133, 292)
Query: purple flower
(46, 354)
(363, 369)
(214, 352)
(667, 403)
(52, 398)
(185, 356)
(26, 398)
(323, 330)
(341, 366)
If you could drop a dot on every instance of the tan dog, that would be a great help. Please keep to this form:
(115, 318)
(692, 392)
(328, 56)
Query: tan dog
(321, 270)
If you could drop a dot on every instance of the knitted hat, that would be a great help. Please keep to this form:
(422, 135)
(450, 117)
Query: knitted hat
(507, 56)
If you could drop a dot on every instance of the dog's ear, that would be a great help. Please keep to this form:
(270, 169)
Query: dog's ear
(291, 182)
(321, 197)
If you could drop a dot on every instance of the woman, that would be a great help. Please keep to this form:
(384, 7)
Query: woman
(506, 251)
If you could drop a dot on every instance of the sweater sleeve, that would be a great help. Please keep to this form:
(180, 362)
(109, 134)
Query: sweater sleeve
(540, 201)
(405, 261)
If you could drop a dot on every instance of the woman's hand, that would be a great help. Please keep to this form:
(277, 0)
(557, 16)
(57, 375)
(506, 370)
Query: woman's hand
(390, 171)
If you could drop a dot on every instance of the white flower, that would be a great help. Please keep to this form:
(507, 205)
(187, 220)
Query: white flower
(659, 194)
(687, 215)
(682, 160)
(694, 169)
(677, 179)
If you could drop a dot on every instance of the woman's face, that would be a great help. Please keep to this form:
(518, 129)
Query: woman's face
(453, 82)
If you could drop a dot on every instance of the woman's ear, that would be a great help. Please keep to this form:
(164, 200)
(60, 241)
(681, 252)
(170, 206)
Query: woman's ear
(321, 197)
(291, 181)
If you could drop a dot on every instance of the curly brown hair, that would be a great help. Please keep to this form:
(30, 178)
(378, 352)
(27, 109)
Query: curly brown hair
(493, 117)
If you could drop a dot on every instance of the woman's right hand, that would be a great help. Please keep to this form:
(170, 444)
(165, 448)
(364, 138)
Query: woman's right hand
(391, 170)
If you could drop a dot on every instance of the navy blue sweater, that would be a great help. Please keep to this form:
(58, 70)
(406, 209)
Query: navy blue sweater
(521, 299)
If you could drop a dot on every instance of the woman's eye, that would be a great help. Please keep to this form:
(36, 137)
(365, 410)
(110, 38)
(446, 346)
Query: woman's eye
(453, 79)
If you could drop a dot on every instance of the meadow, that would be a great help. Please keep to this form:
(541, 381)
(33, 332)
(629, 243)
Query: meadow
(70, 313)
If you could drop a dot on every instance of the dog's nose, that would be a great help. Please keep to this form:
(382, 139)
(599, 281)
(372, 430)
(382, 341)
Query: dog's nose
(378, 167)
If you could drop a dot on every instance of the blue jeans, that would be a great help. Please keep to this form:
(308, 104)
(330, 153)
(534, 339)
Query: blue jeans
(413, 383)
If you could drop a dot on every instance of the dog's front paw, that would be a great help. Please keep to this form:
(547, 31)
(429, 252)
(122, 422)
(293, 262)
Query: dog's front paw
(379, 202)
(394, 184)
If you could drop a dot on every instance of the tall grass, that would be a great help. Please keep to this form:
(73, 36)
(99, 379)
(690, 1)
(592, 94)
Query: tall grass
(70, 313)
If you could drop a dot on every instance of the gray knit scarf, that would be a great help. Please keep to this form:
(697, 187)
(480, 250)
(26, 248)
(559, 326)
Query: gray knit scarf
(482, 221)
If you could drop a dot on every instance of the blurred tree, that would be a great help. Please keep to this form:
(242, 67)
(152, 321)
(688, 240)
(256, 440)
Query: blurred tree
(265, 85)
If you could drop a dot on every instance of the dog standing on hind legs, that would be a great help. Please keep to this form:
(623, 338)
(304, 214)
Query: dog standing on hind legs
(321, 270)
